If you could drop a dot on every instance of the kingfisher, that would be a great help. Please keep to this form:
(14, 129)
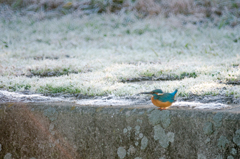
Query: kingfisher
(160, 99)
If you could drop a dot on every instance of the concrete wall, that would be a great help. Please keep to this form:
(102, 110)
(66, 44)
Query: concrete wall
(63, 130)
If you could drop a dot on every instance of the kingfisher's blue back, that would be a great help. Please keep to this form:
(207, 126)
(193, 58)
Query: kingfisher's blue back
(166, 97)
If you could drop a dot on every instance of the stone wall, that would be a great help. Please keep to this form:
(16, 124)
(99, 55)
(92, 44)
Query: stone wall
(63, 130)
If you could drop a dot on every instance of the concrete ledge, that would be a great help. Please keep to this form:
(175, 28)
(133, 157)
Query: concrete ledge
(64, 130)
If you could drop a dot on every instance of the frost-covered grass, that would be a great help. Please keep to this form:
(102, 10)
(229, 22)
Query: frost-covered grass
(90, 55)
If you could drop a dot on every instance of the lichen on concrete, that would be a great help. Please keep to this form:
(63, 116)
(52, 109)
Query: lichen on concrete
(222, 142)
(139, 121)
(157, 117)
(201, 156)
(50, 113)
(137, 130)
(144, 143)
(165, 118)
(158, 131)
(208, 128)
(129, 128)
(233, 151)
(154, 117)
(128, 113)
(51, 127)
(125, 130)
(164, 142)
(230, 157)
(170, 136)
(8, 156)
(131, 150)
(217, 118)
(236, 138)
(207, 140)
(121, 152)
(141, 113)
(160, 135)
(219, 157)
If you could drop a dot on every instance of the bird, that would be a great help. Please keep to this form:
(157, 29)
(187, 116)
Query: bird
(161, 99)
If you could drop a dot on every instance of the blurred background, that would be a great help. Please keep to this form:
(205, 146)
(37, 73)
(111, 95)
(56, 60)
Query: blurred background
(82, 48)
(222, 12)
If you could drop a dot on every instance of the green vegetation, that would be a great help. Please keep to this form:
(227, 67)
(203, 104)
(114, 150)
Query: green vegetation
(94, 54)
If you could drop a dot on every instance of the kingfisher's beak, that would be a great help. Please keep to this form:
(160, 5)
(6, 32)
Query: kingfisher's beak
(146, 93)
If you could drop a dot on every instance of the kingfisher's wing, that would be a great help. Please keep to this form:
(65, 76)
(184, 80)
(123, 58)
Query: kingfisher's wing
(165, 97)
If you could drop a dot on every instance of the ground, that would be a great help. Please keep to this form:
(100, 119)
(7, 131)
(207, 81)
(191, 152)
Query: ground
(119, 54)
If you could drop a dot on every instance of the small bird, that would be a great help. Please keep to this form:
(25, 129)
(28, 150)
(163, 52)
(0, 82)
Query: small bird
(160, 99)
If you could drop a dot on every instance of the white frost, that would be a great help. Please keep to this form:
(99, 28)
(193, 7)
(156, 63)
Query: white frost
(198, 105)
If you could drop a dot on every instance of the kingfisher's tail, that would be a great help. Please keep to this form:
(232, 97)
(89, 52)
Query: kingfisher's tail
(174, 93)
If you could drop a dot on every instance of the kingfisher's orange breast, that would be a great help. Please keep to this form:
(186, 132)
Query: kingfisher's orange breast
(160, 104)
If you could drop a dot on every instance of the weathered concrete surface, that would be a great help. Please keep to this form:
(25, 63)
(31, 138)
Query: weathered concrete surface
(64, 130)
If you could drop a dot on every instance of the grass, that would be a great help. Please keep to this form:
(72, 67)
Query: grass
(90, 55)
(221, 12)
